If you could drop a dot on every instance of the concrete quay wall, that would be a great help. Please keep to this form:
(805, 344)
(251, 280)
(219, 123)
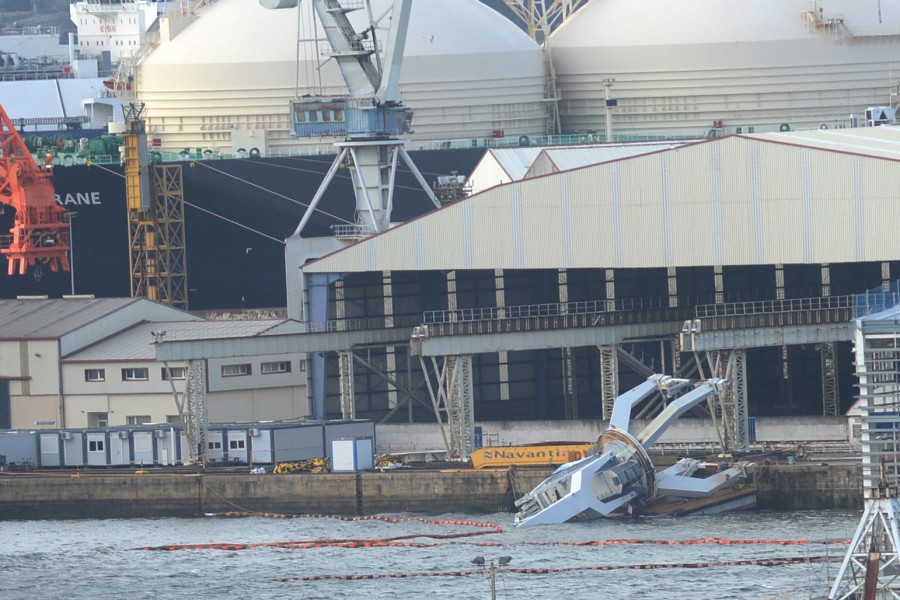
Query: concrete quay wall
(60, 496)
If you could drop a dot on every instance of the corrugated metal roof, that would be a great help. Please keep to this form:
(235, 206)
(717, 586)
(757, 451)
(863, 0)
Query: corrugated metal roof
(807, 197)
(582, 156)
(136, 343)
(53, 318)
(880, 142)
(515, 161)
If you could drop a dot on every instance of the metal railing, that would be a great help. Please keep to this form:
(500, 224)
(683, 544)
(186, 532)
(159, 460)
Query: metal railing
(591, 307)
(765, 307)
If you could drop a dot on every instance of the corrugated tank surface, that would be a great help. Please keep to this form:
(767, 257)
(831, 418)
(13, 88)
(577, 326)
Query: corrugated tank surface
(468, 71)
(683, 66)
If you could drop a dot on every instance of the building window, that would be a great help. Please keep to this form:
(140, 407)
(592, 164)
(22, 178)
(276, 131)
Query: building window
(174, 419)
(95, 375)
(95, 446)
(216, 445)
(97, 419)
(302, 365)
(275, 367)
(235, 444)
(236, 370)
(173, 373)
(137, 419)
(135, 374)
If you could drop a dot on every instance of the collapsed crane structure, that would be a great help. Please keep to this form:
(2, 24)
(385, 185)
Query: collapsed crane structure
(40, 232)
(619, 475)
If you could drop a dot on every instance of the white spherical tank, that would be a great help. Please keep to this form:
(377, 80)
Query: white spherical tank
(688, 66)
(230, 72)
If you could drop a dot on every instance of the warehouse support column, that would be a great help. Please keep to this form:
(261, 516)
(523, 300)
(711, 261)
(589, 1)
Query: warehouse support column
(317, 311)
(390, 358)
(451, 290)
(829, 365)
(786, 391)
(345, 376)
(609, 374)
(719, 284)
(609, 359)
(737, 375)
(731, 366)
(194, 412)
(570, 381)
(453, 400)
(885, 274)
(461, 405)
(503, 355)
(830, 402)
(672, 279)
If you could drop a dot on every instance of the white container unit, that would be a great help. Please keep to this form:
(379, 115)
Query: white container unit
(96, 448)
(166, 446)
(237, 445)
(50, 453)
(73, 448)
(260, 445)
(119, 448)
(215, 451)
(143, 448)
(350, 455)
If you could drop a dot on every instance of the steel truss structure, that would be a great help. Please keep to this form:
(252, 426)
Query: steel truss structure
(870, 567)
(453, 402)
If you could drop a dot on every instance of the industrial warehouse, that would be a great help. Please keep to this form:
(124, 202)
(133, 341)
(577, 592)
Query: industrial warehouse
(543, 298)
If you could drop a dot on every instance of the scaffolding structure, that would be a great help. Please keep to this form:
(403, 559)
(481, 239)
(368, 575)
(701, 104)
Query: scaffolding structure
(870, 567)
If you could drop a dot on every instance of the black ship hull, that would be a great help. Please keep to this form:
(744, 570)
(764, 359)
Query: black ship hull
(237, 214)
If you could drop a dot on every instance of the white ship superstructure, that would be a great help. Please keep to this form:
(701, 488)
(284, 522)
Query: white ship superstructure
(113, 26)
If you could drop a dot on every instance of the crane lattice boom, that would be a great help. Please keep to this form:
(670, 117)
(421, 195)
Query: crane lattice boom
(40, 232)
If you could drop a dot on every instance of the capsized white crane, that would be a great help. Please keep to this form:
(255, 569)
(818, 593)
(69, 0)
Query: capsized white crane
(621, 475)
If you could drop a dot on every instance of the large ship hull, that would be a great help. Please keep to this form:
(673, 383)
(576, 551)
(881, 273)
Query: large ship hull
(237, 214)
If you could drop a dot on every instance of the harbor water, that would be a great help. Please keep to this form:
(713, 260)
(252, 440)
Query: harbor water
(94, 559)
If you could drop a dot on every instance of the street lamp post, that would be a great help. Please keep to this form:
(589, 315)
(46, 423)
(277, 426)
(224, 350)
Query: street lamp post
(610, 103)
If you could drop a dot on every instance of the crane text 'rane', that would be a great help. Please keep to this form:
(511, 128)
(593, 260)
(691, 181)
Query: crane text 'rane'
(78, 199)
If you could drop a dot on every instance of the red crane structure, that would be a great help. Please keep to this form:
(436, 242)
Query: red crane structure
(40, 232)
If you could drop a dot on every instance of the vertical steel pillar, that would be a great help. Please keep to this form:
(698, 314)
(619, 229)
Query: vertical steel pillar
(390, 358)
(503, 355)
(317, 314)
(829, 380)
(676, 356)
(570, 385)
(609, 372)
(885, 274)
(830, 400)
(723, 411)
(671, 277)
(610, 289)
(779, 282)
(719, 284)
(737, 376)
(451, 291)
(457, 378)
(195, 415)
(570, 382)
(345, 377)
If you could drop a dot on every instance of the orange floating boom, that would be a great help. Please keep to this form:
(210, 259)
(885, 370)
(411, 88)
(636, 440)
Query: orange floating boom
(40, 232)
